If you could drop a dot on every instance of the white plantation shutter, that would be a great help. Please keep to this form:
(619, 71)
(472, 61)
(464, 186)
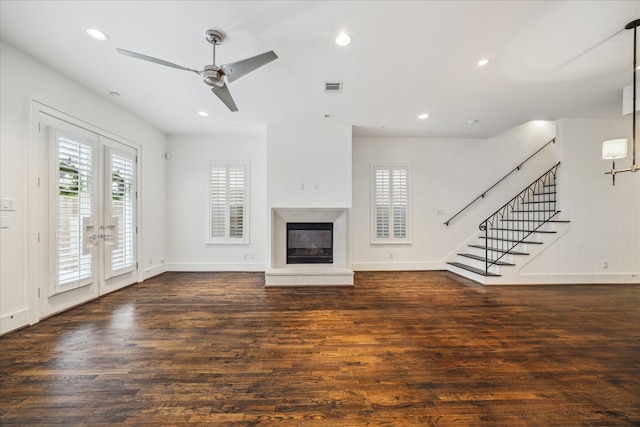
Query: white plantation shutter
(228, 203)
(123, 212)
(391, 203)
(218, 203)
(236, 202)
(383, 203)
(399, 191)
(74, 264)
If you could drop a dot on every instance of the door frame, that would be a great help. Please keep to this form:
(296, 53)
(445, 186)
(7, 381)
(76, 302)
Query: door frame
(38, 251)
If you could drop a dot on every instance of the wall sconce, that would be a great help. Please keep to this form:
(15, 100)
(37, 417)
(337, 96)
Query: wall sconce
(614, 149)
(617, 148)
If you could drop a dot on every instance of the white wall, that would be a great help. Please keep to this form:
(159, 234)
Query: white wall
(187, 199)
(23, 78)
(446, 174)
(309, 164)
(605, 220)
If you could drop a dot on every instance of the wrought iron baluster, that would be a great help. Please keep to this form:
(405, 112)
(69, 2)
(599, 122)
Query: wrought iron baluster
(525, 212)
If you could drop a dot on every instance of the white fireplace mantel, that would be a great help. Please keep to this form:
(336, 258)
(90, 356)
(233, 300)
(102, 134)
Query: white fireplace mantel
(280, 273)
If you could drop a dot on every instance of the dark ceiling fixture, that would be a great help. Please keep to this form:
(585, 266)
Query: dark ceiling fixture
(218, 77)
(617, 148)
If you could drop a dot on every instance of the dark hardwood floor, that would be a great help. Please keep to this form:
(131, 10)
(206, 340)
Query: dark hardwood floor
(399, 348)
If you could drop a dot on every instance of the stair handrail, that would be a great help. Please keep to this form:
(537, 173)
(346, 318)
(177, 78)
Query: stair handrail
(544, 212)
(484, 193)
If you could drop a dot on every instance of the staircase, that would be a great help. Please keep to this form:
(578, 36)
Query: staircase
(516, 230)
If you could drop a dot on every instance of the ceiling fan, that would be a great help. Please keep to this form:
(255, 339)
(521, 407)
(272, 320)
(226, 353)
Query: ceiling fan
(216, 76)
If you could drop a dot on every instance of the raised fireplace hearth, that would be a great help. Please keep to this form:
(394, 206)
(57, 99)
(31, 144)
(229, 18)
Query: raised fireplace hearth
(309, 243)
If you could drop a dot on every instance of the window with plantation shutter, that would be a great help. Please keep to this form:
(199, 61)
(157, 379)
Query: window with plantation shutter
(228, 201)
(390, 204)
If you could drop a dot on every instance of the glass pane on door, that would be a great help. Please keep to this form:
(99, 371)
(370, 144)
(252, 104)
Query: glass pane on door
(120, 225)
(75, 234)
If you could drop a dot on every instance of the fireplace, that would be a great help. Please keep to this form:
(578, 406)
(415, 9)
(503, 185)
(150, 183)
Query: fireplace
(309, 243)
(332, 270)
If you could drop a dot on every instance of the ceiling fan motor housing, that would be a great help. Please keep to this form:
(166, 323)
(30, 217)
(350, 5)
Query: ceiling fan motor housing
(213, 75)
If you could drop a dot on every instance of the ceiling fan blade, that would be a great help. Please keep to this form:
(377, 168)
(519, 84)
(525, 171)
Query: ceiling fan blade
(225, 96)
(581, 54)
(235, 70)
(154, 60)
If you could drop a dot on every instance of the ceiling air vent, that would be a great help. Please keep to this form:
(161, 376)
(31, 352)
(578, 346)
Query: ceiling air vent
(332, 87)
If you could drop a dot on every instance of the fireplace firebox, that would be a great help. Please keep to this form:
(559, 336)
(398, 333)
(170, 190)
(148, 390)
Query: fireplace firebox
(309, 243)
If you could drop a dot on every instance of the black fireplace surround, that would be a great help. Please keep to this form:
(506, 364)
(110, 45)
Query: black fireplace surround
(309, 243)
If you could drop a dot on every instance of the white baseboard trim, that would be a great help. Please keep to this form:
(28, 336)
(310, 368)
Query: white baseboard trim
(578, 279)
(398, 266)
(211, 266)
(13, 321)
(152, 271)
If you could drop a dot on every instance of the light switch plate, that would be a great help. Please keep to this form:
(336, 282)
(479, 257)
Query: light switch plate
(4, 222)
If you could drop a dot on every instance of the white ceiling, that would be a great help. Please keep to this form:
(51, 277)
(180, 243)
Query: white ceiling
(548, 60)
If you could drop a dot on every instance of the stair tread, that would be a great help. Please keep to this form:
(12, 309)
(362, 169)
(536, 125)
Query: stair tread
(538, 201)
(512, 241)
(473, 269)
(523, 231)
(498, 250)
(481, 258)
(536, 211)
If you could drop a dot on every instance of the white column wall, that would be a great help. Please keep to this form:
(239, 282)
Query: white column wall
(23, 78)
(309, 165)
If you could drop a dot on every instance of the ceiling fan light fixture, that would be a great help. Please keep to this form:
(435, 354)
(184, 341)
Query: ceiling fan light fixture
(343, 39)
(213, 75)
(97, 34)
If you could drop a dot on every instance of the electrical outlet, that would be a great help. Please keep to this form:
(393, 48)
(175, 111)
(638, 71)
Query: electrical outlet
(390, 255)
(7, 204)
(605, 264)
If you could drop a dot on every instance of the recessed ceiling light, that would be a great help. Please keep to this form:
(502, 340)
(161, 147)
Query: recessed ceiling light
(328, 116)
(472, 121)
(483, 62)
(423, 116)
(97, 34)
(203, 113)
(343, 39)
(114, 93)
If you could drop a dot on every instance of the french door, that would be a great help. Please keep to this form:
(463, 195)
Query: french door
(91, 227)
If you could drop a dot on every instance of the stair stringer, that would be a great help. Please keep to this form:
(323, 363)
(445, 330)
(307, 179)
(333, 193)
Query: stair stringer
(511, 275)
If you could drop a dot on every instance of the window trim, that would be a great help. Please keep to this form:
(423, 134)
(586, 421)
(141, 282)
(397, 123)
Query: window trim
(373, 232)
(209, 240)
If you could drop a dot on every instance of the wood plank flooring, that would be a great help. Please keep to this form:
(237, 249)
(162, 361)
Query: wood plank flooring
(399, 348)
